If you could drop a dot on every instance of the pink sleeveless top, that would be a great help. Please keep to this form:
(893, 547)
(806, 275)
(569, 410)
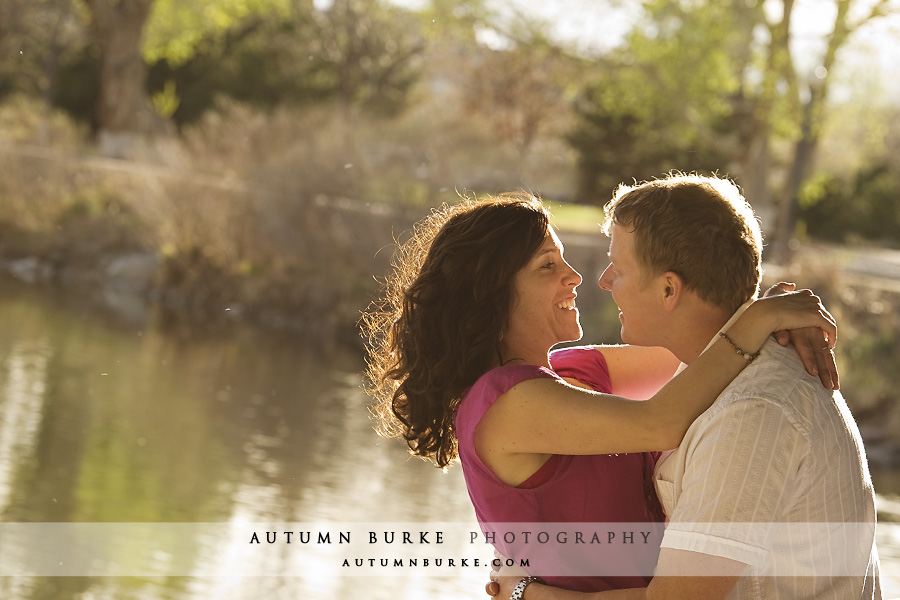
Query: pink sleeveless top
(593, 492)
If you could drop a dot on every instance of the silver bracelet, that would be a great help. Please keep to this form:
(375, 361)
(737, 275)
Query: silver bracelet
(743, 353)
(519, 591)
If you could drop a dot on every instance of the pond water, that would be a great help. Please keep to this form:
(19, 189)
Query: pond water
(113, 420)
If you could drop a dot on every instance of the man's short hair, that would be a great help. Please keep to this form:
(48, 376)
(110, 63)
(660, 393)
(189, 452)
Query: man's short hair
(699, 227)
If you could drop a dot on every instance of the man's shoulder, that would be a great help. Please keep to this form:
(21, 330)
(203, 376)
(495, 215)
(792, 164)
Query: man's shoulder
(777, 375)
(777, 381)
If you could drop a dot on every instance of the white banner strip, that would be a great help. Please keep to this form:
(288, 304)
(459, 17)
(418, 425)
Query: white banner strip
(360, 549)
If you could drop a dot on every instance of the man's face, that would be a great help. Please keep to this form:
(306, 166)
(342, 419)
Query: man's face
(634, 291)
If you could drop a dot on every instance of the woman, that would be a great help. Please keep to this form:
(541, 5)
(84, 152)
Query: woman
(459, 366)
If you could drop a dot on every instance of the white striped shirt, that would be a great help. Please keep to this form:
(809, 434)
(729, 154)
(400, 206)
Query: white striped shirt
(774, 475)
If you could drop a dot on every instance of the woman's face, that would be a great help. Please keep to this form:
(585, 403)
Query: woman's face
(543, 312)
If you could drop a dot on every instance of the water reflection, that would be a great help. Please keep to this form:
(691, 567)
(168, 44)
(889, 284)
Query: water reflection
(24, 373)
(106, 421)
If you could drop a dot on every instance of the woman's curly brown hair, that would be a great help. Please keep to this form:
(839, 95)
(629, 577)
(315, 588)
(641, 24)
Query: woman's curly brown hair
(436, 327)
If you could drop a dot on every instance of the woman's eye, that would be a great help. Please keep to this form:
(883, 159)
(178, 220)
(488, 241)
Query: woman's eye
(548, 265)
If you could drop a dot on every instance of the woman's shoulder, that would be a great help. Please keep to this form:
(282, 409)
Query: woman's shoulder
(501, 379)
(496, 382)
(576, 354)
(584, 363)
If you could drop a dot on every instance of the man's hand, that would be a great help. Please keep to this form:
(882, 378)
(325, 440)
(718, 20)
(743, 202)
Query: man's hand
(812, 347)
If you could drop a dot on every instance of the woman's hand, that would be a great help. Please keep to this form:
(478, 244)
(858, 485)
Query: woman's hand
(503, 578)
(796, 310)
(815, 352)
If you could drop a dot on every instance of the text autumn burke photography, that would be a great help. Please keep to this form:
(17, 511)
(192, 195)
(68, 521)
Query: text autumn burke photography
(367, 550)
(626, 537)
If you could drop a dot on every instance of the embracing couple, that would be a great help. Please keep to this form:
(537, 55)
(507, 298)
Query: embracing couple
(764, 488)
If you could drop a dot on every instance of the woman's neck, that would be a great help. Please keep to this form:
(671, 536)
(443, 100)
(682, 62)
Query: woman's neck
(518, 354)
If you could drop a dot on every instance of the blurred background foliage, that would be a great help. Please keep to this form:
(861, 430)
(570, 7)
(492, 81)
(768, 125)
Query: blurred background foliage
(479, 96)
(254, 135)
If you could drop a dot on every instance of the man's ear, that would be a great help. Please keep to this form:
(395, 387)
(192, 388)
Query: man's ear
(673, 289)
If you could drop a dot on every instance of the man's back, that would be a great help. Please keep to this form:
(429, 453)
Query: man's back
(774, 475)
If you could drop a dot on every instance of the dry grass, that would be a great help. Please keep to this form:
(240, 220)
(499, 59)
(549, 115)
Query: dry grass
(246, 218)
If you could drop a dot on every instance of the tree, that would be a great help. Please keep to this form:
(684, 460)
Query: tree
(35, 40)
(179, 30)
(719, 80)
(270, 52)
(132, 33)
(812, 107)
(658, 102)
(124, 111)
(776, 100)
(260, 57)
(523, 88)
(372, 49)
(863, 208)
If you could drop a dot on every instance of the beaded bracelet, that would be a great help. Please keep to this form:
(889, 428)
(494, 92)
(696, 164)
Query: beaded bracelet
(519, 591)
(743, 353)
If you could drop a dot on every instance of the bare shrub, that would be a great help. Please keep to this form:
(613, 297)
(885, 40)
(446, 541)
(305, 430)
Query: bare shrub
(25, 120)
(866, 310)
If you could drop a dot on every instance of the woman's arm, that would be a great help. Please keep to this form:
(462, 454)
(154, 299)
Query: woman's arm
(638, 372)
(547, 416)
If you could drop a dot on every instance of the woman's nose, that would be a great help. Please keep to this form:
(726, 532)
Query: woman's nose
(574, 275)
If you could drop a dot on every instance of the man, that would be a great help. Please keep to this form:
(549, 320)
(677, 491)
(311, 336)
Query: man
(768, 495)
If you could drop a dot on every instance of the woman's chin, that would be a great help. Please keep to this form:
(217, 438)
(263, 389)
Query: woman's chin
(578, 331)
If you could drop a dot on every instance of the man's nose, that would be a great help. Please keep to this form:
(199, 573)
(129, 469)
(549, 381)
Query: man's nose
(604, 281)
